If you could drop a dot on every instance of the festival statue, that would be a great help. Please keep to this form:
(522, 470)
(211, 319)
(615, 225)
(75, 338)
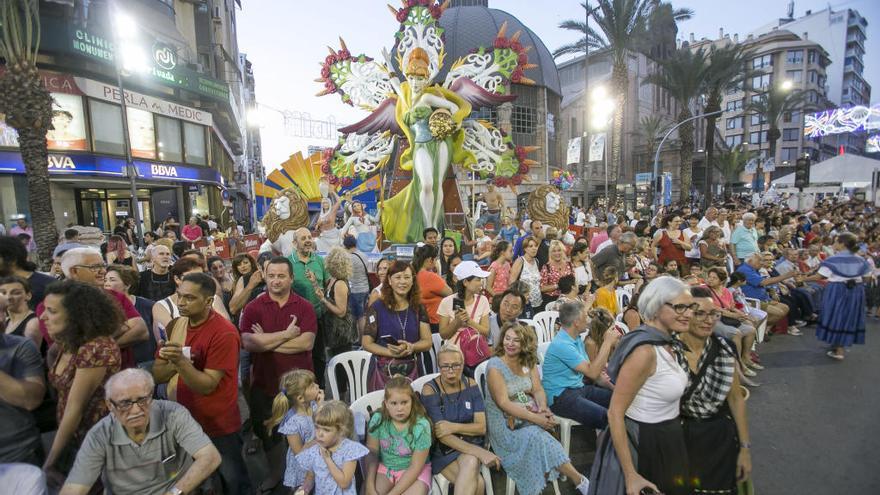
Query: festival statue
(547, 205)
(424, 125)
(288, 212)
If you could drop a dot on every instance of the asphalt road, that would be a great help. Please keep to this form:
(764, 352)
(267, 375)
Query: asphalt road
(815, 422)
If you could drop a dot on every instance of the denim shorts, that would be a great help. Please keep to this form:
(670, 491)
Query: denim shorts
(357, 302)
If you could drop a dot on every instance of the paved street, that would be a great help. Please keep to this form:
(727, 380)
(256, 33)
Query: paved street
(815, 422)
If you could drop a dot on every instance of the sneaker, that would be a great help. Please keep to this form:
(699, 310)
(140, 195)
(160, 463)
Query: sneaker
(753, 365)
(794, 331)
(748, 372)
(800, 323)
(584, 485)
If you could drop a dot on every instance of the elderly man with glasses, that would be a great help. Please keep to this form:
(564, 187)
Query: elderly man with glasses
(86, 265)
(144, 446)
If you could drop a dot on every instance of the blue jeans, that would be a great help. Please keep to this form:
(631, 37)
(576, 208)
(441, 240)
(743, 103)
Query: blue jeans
(357, 302)
(587, 405)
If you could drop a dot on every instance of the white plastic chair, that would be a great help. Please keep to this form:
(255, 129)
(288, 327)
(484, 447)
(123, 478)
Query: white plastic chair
(622, 326)
(624, 296)
(436, 344)
(441, 484)
(419, 383)
(565, 424)
(545, 325)
(542, 350)
(480, 377)
(356, 365)
(762, 328)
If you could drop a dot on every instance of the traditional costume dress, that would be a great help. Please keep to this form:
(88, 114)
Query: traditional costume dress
(842, 321)
(329, 236)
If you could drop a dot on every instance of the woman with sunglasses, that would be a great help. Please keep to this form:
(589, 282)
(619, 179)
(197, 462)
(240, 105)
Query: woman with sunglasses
(648, 370)
(713, 408)
(455, 405)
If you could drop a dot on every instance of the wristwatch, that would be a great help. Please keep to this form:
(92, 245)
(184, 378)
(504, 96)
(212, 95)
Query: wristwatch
(175, 491)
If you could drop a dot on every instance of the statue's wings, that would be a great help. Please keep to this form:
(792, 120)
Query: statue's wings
(477, 96)
(360, 155)
(494, 154)
(494, 68)
(360, 80)
(420, 28)
(380, 120)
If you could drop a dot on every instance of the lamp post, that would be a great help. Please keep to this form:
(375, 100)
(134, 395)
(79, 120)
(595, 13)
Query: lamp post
(602, 110)
(660, 146)
(124, 29)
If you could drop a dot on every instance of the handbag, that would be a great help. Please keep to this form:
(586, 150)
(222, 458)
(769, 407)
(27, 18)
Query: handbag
(472, 343)
(526, 401)
(339, 331)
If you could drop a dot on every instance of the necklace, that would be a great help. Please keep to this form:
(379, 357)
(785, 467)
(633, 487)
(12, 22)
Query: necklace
(403, 322)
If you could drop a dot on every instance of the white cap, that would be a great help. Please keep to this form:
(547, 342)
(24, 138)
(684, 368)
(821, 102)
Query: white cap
(467, 269)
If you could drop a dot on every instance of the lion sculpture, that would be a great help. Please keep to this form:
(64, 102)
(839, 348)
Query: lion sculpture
(288, 212)
(546, 204)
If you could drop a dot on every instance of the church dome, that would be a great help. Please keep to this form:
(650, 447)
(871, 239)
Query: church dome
(469, 24)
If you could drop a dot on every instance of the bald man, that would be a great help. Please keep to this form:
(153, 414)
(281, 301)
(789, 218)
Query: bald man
(309, 275)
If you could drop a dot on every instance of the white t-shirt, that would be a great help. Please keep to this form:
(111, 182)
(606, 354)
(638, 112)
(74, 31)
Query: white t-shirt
(604, 245)
(693, 238)
(580, 219)
(483, 307)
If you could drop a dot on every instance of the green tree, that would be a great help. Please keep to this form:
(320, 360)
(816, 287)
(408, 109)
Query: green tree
(730, 164)
(27, 106)
(682, 75)
(651, 128)
(772, 105)
(727, 70)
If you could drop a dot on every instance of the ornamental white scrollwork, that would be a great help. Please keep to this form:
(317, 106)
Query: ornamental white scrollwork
(486, 143)
(842, 120)
(481, 69)
(367, 152)
(426, 37)
(368, 84)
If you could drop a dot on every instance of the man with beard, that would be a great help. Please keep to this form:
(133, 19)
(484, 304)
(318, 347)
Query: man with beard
(309, 278)
(208, 378)
(156, 283)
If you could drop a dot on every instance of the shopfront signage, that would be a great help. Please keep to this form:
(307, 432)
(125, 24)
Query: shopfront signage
(164, 55)
(107, 92)
(87, 164)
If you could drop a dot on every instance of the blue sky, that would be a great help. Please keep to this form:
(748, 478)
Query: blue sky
(286, 40)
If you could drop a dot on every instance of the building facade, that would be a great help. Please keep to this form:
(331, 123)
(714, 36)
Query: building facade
(842, 33)
(183, 100)
(779, 56)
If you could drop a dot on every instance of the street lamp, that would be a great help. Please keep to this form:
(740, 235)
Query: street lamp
(601, 111)
(128, 57)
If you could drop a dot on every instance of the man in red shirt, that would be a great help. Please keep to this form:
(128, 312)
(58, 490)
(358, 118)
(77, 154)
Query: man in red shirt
(207, 369)
(278, 328)
(87, 266)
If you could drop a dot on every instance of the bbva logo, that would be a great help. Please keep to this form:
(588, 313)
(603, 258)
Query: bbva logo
(163, 170)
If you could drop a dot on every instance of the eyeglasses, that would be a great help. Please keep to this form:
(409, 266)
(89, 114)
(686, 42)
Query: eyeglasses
(450, 367)
(702, 315)
(683, 308)
(97, 267)
(125, 405)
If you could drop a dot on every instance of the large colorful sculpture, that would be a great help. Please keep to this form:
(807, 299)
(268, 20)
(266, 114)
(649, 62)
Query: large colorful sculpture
(425, 125)
(547, 205)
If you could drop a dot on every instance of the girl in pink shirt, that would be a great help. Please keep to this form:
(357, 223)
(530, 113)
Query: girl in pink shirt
(499, 270)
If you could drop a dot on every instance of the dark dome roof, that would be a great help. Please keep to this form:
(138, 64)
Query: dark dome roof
(467, 28)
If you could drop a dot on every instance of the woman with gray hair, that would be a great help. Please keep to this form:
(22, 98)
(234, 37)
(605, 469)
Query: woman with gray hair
(643, 446)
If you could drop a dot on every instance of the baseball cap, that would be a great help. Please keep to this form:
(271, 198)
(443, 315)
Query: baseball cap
(467, 269)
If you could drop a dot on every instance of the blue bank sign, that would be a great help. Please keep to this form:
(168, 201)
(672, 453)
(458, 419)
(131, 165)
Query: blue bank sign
(95, 165)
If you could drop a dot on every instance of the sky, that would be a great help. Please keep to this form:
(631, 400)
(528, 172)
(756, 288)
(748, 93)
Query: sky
(286, 39)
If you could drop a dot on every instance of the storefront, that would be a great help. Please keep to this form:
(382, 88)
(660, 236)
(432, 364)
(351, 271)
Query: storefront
(94, 190)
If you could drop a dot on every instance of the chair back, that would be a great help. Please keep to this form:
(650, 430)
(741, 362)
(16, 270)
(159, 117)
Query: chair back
(419, 383)
(542, 350)
(481, 378)
(356, 365)
(363, 408)
(436, 344)
(545, 325)
(624, 296)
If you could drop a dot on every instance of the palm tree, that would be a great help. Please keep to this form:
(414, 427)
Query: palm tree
(772, 105)
(682, 75)
(730, 164)
(27, 105)
(650, 128)
(726, 71)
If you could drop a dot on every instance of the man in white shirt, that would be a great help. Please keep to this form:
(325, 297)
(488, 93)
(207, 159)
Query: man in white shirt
(709, 219)
(580, 218)
(614, 232)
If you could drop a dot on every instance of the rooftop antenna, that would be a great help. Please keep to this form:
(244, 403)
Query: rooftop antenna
(791, 9)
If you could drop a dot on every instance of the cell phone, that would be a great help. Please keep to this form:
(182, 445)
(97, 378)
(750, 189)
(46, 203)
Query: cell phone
(648, 491)
(457, 304)
(388, 340)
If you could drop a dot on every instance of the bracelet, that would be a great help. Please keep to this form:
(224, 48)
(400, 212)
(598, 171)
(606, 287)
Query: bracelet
(747, 445)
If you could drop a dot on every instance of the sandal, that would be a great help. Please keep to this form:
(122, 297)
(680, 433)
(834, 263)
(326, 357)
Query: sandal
(834, 355)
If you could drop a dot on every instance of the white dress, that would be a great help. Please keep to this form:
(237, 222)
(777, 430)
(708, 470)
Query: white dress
(531, 276)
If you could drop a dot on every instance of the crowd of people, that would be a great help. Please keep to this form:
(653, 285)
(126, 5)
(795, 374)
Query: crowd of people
(134, 368)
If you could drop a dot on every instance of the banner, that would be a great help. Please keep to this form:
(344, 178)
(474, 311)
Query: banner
(597, 147)
(573, 154)
(770, 165)
(751, 166)
(142, 134)
(69, 123)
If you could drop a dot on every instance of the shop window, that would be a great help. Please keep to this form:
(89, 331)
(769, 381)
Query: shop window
(194, 139)
(106, 127)
(69, 124)
(141, 133)
(170, 143)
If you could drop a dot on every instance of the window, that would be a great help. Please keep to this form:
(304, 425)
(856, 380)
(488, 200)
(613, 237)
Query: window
(734, 105)
(733, 141)
(789, 154)
(762, 61)
(812, 76)
(756, 137)
(791, 134)
(761, 82)
(523, 119)
(791, 117)
(794, 76)
(811, 56)
(758, 119)
(735, 123)
(170, 142)
(106, 127)
(141, 133)
(795, 57)
(757, 98)
(194, 139)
